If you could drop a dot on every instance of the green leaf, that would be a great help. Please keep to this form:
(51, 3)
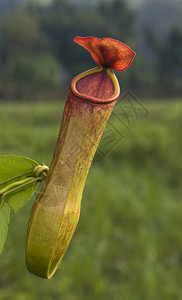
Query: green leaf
(11, 166)
(4, 222)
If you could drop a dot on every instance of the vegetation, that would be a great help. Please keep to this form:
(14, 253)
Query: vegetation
(38, 56)
(128, 243)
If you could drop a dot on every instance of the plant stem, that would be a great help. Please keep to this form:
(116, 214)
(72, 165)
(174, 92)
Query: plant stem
(15, 177)
(16, 186)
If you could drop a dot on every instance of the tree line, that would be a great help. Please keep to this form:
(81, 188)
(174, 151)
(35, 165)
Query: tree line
(38, 56)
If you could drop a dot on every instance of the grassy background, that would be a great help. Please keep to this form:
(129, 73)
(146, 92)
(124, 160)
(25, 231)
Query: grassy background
(128, 243)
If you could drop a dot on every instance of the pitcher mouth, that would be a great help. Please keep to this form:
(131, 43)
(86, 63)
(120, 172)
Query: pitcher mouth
(98, 85)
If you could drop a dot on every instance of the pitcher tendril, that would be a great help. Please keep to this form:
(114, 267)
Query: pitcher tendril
(40, 171)
(38, 174)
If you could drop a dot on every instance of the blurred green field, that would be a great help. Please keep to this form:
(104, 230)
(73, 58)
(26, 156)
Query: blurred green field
(128, 243)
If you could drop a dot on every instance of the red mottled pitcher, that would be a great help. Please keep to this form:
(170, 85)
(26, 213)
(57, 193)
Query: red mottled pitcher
(91, 99)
